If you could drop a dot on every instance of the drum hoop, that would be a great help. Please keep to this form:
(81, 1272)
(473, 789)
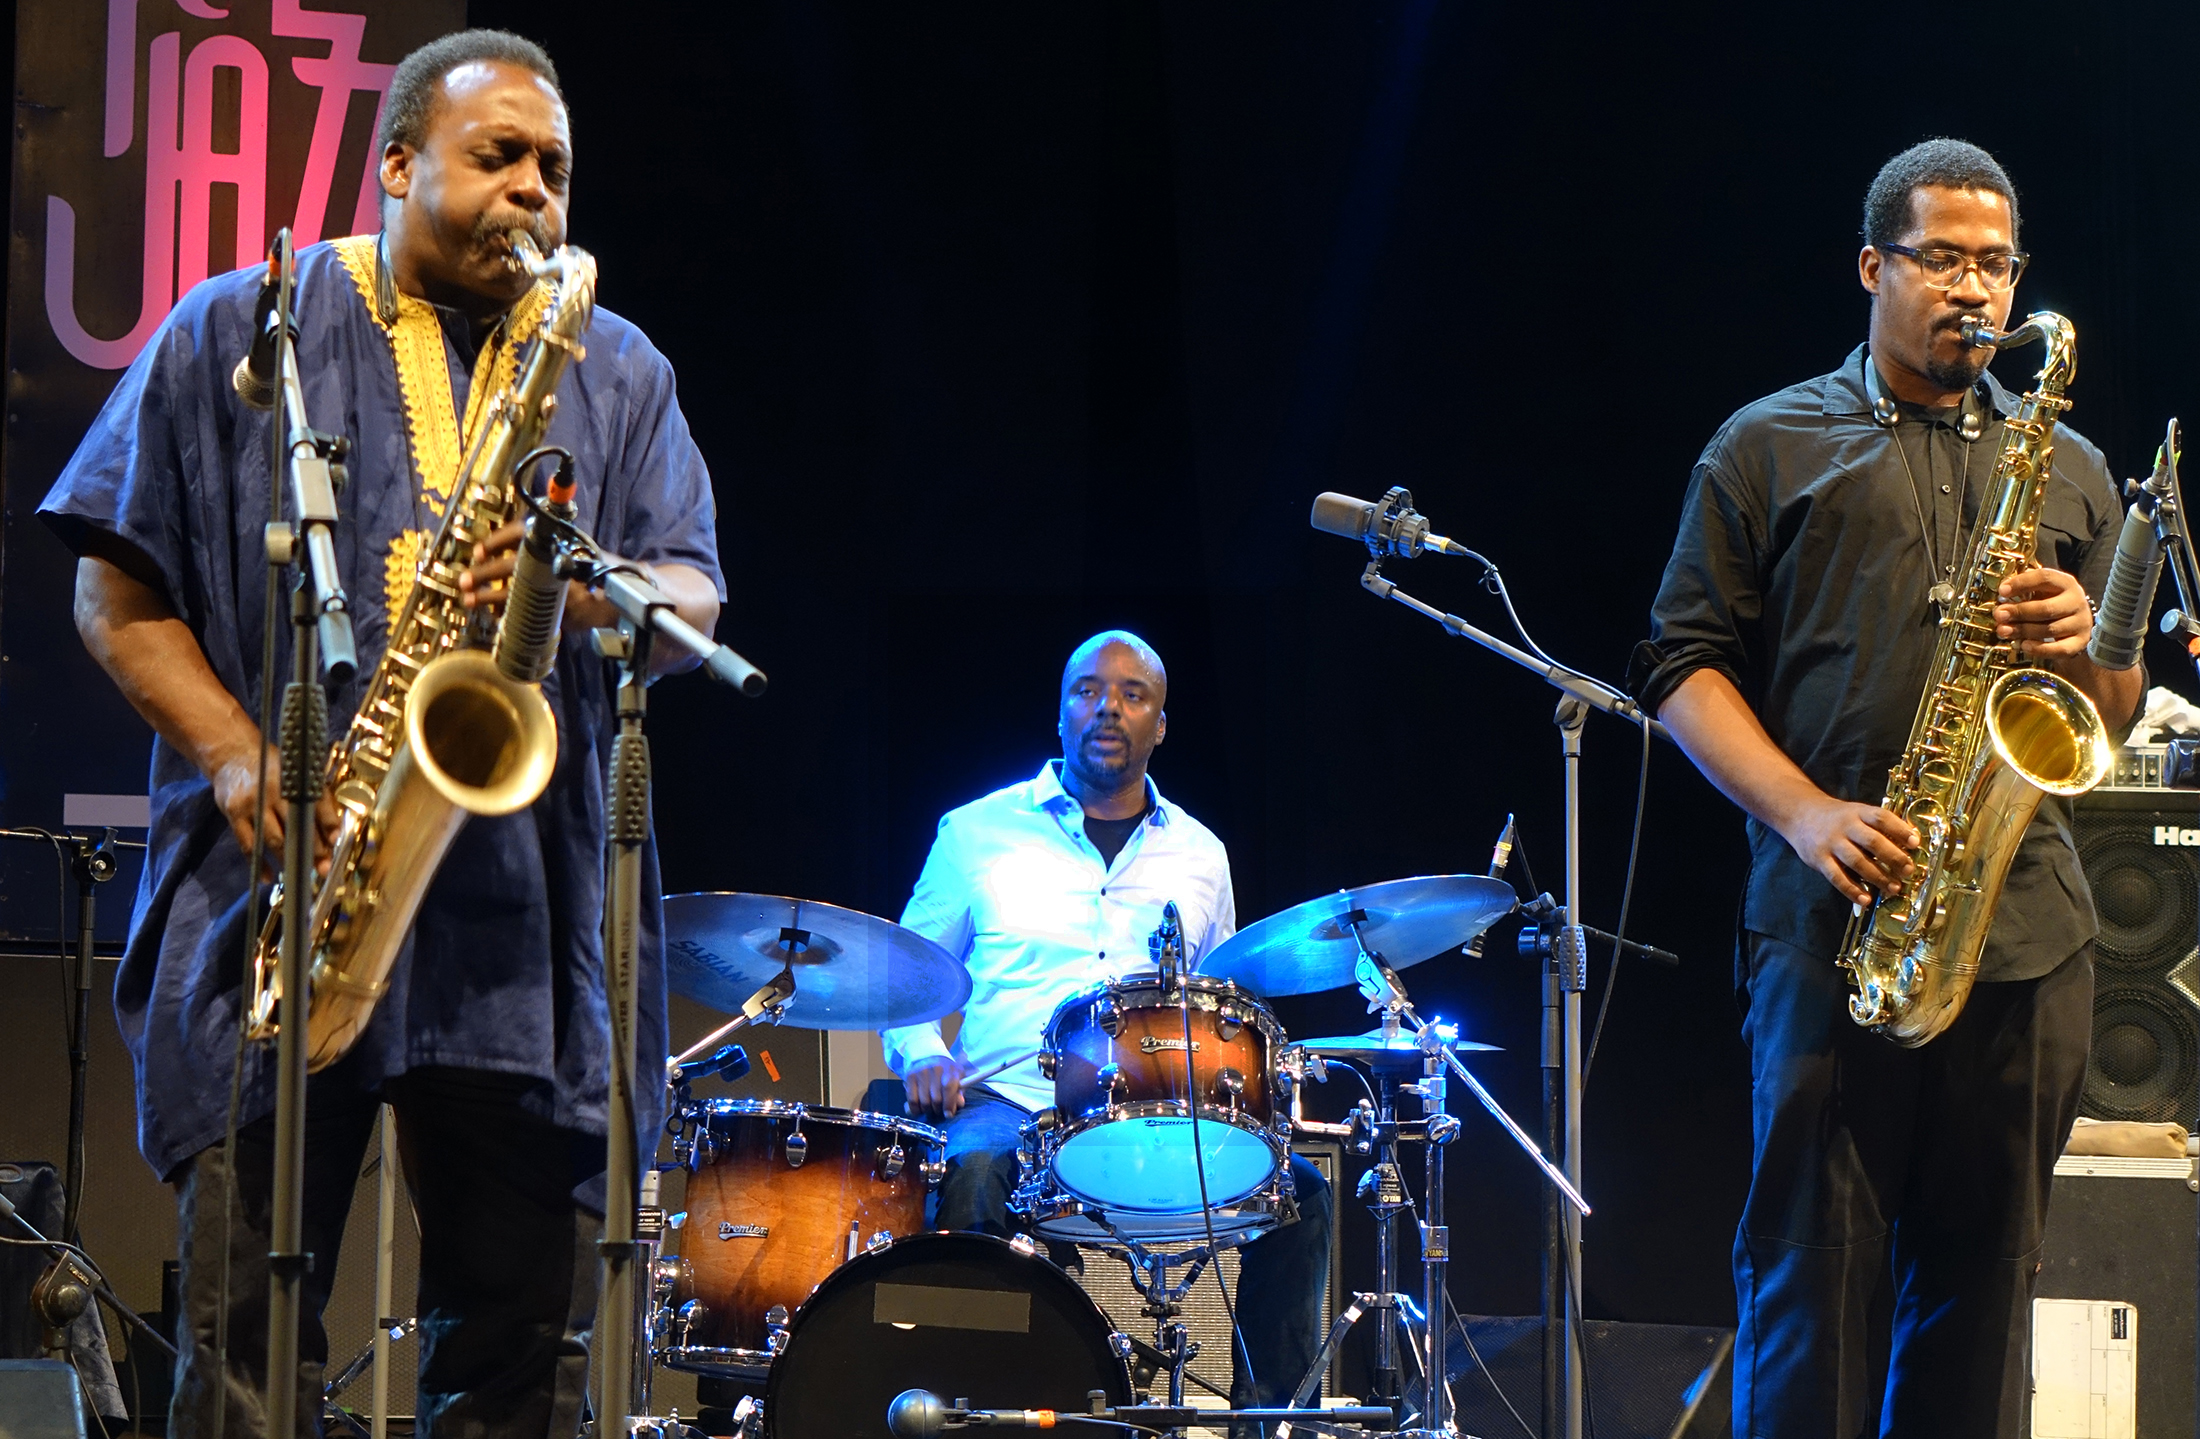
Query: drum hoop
(709, 1360)
(1044, 1202)
(1200, 986)
(707, 1109)
(1070, 1126)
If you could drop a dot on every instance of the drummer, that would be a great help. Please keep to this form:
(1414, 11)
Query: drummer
(1054, 884)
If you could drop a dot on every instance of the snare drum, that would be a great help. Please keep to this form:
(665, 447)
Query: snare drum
(1122, 1136)
(780, 1196)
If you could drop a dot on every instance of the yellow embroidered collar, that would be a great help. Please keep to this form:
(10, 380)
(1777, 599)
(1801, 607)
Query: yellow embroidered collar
(437, 439)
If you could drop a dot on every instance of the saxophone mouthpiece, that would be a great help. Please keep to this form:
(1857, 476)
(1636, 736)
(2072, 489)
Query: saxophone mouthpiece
(1975, 332)
(525, 258)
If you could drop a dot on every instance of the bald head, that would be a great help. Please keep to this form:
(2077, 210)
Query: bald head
(1111, 718)
(1083, 659)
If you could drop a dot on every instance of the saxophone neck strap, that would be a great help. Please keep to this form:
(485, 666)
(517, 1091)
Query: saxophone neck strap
(1887, 414)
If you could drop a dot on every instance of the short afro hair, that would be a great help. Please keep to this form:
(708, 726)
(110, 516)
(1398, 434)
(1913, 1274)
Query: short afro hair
(1940, 163)
(414, 89)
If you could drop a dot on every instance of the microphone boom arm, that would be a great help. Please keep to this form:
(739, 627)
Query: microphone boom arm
(1594, 693)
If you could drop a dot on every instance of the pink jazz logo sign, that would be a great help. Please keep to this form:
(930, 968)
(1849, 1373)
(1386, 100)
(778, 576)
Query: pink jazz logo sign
(193, 109)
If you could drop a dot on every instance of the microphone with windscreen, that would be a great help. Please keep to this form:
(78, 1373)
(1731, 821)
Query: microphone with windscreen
(254, 377)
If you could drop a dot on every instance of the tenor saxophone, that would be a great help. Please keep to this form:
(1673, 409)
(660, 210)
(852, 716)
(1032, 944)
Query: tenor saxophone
(1993, 737)
(440, 734)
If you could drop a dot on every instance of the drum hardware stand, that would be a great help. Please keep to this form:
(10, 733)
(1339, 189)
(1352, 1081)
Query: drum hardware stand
(1421, 1325)
(646, 613)
(1564, 983)
(768, 1004)
(1164, 1301)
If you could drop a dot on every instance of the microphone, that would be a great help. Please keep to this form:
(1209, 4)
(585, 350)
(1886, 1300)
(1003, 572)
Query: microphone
(2119, 630)
(254, 377)
(728, 1062)
(534, 602)
(2128, 595)
(921, 1414)
(1390, 527)
(1499, 858)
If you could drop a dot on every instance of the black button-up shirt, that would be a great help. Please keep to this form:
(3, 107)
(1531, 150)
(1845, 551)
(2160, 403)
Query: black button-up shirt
(1806, 554)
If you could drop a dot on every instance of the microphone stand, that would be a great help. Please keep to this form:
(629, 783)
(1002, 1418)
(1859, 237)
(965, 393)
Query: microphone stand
(1566, 976)
(322, 653)
(646, 614)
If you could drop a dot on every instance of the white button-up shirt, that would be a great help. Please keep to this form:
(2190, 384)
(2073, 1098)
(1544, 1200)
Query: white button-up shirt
(1015, 890)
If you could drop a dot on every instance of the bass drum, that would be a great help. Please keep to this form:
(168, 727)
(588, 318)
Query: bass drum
(966, 1316)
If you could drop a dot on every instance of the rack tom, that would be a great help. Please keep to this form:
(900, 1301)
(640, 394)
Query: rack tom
(781, 1195)
(1127, 1091)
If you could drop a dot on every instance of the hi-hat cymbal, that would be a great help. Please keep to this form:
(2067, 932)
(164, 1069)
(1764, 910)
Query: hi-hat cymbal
(1310, 947)
(1372, 1046)
(851, 970)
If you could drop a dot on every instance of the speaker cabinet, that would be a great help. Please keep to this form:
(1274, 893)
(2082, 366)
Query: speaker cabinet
(2141, 853)
(2113, 1353)
(1645, 1381)
(40, 1399)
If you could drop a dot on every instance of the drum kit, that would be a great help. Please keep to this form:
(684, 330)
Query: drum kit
(804, 1265)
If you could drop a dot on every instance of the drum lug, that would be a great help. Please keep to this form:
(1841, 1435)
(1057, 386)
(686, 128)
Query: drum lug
(1231, 1082)
(895, 1159)
(879, 1241)
(1046, 1063)
(1119, 1344)
(933, 1170)
(1110, 1079)
(1228, 1023)
(1023, 1244)
(776, 1318)
(798, 1149)
(1108, 1015)
(684, 1320)
(665, 1275)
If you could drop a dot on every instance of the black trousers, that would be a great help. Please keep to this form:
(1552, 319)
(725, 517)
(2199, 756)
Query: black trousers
(507, 1259)
(1941, 1157)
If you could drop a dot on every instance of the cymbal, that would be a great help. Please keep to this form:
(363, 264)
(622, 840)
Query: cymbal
(1371, 1046)
(851, 970)
(1309, 947)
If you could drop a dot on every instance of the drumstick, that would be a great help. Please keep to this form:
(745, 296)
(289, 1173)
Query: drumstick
(973, 1079)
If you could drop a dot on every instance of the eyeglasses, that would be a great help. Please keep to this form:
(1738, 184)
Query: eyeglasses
(1945, 269)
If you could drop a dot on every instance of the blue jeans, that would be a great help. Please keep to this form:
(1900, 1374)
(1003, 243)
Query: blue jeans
(1941, 1156)
(1280, 1274)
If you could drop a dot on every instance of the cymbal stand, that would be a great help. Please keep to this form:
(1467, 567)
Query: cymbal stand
(1436, 1129)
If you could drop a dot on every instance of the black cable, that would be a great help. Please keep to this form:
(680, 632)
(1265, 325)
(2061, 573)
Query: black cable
(1060, 1418)
(1581, 1339)
(1626, 899)
(1206, 1210)
(1520, 857)
(1452, 1306)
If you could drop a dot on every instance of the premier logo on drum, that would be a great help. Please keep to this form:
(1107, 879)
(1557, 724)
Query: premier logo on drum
(1153, 1044)
(729, 1230)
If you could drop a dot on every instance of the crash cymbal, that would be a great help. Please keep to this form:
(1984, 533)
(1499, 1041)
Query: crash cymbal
(1371, 1045)
(851, 970)
(1310, 947)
